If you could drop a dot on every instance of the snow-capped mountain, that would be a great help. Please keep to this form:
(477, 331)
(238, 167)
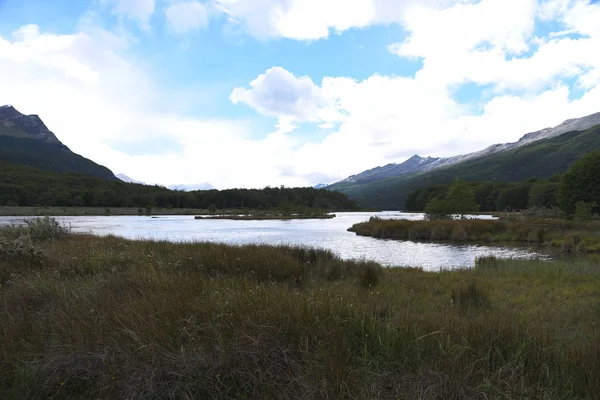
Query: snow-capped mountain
(182, 187)
(127, 179)
(192, 187)
(412, 165)
(417, 163)
(570, 125)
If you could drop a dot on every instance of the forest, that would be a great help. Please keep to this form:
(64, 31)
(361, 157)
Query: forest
(26, 186)
(495, 196)
(578, 187)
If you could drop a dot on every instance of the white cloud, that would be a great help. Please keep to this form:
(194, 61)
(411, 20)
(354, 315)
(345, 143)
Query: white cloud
(187, 16)
(137, 10)
(89, 90)
(316, 19)
(279, 93)
(114, 102)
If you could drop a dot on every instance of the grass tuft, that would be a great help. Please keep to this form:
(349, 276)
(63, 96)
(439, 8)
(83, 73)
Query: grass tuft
(470, 296)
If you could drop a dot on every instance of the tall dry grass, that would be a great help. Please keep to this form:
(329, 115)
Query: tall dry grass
(565, 234)
(113, 318)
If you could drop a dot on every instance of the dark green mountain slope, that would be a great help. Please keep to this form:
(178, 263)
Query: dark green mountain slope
(38, 154)
(25, 140)
(542, 159)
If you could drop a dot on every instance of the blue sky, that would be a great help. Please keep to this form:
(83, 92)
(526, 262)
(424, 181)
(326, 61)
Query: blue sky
(249, 93)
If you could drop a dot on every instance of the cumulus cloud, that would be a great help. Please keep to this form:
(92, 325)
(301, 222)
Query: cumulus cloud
(187, 16)
(485, 44)
(279, 93)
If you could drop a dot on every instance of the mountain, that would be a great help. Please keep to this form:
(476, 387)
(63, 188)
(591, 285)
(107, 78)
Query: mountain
(320, 186)
(192, 187)
(127, 179)
(26, 140)
(180, 187)
(410, 166)
(539, 154)
(570, 125)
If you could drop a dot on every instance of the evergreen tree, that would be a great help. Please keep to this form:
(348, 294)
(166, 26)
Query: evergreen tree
(581, 183)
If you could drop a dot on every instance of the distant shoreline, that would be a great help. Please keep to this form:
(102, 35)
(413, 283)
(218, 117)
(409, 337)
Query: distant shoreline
(28, 211)
(264, 217)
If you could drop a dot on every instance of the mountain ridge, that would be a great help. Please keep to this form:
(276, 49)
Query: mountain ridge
(552, 153)
(26, 140)
(177, 187)
(417, 164)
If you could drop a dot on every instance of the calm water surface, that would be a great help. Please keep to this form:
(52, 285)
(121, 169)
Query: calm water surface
(325, 233)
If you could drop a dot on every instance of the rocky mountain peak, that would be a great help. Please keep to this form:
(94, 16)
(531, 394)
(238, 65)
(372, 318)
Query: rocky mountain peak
(32, 125)
(9, 111)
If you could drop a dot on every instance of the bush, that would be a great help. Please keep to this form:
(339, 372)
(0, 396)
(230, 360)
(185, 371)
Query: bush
(583, 211)
(537, 213)
(437, 209)
(19, 249)
(47, 228)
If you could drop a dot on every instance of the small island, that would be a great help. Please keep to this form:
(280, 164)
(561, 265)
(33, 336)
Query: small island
(264, 217)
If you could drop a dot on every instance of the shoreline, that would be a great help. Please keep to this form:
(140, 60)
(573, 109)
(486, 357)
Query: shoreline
(27, 211)
(264, 217)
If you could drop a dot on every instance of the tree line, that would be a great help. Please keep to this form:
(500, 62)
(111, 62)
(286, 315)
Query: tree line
(579, 186)
(27, 186)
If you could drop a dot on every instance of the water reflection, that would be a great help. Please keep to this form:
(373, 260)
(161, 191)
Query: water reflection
(330, 234)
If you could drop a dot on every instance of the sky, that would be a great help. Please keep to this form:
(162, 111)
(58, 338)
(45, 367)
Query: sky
(251, 93)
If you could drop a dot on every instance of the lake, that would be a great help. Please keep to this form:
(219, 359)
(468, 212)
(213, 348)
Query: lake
(330, 234)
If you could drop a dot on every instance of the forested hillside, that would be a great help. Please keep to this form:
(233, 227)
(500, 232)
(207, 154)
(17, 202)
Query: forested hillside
(27, 186)
(495, 196)
(541, 159)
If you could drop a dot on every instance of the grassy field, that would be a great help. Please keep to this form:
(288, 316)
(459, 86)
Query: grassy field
(569, 236)
(103, 317)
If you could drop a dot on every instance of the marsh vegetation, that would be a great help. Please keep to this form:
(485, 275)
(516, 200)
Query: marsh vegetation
(117, 318)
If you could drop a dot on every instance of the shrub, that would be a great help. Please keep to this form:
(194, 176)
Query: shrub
(46, 228)
(583, 211)
(436, 209)
(537, 213)
(19, 249)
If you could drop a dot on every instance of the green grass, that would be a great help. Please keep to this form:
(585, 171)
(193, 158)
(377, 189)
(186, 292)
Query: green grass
(569, 236)
(104, 317)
